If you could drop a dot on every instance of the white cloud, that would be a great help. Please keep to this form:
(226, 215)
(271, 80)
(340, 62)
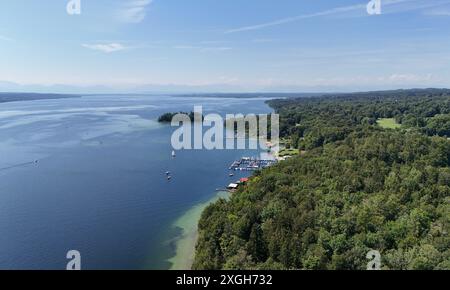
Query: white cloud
(400, 79)
(349, 83)
(133, 11)
(410, 78)
(398, 6)
(105, 47)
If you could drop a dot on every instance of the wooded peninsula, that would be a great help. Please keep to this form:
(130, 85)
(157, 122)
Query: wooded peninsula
(374, 175)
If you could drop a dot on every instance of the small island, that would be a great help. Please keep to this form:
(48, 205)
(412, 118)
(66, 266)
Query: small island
(167, 117)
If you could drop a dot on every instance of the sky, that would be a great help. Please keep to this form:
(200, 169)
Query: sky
(223, 45)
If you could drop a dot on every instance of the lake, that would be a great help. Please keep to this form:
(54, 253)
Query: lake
(99, 185)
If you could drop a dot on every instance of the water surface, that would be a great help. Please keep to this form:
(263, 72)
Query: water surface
(99, 186)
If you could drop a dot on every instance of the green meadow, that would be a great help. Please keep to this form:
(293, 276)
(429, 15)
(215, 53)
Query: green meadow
(389, 123)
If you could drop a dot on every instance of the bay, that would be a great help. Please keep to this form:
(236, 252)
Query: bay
(99, 183)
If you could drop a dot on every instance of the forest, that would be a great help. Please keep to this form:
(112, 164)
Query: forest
(167, 117)
(358, 187)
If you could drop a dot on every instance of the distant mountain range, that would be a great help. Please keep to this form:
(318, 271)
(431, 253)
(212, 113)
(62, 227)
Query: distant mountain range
(103, 89)
(216, 89)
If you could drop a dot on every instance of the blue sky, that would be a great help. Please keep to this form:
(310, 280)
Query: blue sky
(223, 45)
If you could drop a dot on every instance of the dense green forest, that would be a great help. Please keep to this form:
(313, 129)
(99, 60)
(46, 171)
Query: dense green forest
(358, 187)
(167, 117)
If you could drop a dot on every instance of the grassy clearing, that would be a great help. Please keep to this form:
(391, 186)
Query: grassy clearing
(288, 152)
(388, 123)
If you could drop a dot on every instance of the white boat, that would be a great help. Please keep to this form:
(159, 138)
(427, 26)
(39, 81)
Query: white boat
(174, 154)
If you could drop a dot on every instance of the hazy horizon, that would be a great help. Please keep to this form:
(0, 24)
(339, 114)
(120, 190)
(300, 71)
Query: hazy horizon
(178, 47)
(186, 90)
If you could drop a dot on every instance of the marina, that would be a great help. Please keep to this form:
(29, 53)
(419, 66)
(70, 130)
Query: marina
(251, 164)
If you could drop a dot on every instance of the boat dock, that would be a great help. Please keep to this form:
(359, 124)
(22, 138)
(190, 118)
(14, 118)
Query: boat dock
(251, 164)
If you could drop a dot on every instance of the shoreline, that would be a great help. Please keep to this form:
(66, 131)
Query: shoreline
(187, 223)
(186, 242)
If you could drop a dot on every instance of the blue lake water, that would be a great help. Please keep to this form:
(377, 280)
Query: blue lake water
(99, 186)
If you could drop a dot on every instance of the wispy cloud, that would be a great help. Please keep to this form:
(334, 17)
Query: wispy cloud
(133, 11)
(360, 82)
(263, 40)
(438, 12)
(424, 5)
(203, 48)
(5, 38)
(214, 42)
(410, 78)
(412, 5)
(105, 47)
(296, 18)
